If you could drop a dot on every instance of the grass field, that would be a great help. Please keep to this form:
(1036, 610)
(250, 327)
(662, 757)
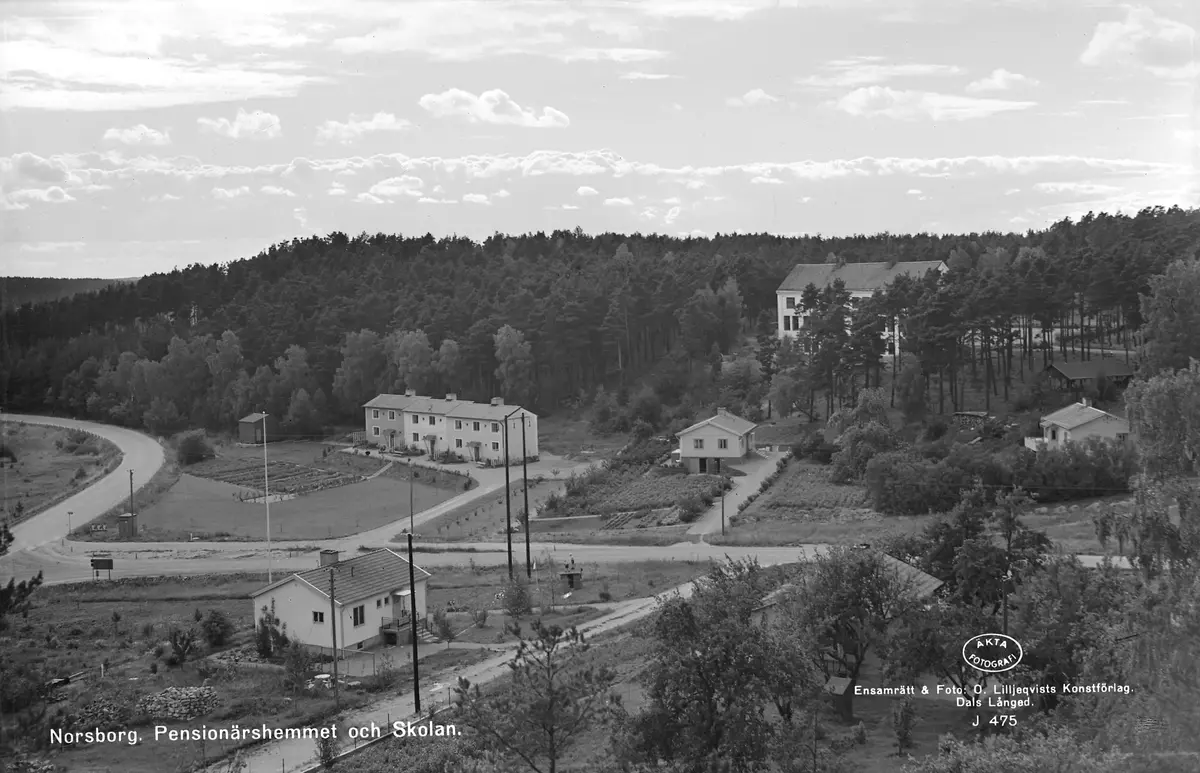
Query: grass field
(572, 438)
(51, 465)
(485, 519)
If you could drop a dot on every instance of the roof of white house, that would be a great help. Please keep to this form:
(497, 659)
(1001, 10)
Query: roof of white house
(1077, 415)
(377, 573)
(923, 584)
(458, 409)
(857, 276)
(252, 418)
(724, 420)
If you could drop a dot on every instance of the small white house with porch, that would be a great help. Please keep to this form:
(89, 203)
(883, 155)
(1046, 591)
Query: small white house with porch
(1076, 423)
(706, 446)
(372, 601)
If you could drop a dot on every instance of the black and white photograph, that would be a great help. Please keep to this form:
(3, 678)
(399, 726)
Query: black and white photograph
(599, 386)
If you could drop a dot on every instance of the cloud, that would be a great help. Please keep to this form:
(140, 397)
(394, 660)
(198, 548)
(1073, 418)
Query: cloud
(163, 197)
(868, 70)
(564, 206)
(586, 190)
(429, 200)
(999, 80)
(1159, 45)
(475, 198)
(502, 194)
(369, 198)
(336, 192)
(138, 135)
(405, 185)
(914, 105)
(275, 190)
(52, 195)
(257, 125)
(621, 202)
(763, 180)
(230, 193)
(1076, 188)
(914, 192)
(645, 76)
(672, 215)
(359, 126)
(494, 107)
(752, 98)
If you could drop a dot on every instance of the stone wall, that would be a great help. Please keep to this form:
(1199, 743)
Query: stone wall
(179, 703)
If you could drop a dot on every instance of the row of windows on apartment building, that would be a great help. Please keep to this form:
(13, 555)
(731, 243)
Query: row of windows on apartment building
(458, 423)
(794, 323)
(416, 436)
(359, 613)
(722, 443)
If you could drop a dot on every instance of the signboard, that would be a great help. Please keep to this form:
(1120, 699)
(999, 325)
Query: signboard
(102, 563)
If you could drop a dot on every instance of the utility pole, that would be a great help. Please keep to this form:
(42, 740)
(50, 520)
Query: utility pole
(508, 496)
(412, 607)
(722, 512)
(131, 492)
(412, 473)
(525, 480)
(267, 502)
(333, 627)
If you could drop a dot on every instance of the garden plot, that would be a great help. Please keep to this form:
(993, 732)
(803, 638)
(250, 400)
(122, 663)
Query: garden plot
(601, 492)
(283, 477)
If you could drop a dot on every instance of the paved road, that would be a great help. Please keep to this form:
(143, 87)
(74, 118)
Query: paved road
(757, 470)
(143, 455)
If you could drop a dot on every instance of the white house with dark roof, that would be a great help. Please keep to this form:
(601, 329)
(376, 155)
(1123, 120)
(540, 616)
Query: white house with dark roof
(372, 603)
(706, 445)
(861, 281)
(474, 431)
(1077, 423)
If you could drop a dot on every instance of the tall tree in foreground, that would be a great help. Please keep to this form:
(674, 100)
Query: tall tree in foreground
(1172, 314)
(554, 697)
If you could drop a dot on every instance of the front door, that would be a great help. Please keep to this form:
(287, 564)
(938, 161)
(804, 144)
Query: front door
(703, 465)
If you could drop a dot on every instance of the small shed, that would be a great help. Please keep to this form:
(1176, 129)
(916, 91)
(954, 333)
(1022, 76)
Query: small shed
(250, 428)
(127, 526)
(1073, 376)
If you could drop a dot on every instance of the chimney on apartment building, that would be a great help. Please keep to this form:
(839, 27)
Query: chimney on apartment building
(329, 557)
(497, 401)
(1085, 402)
(410, 393)
(451, 397)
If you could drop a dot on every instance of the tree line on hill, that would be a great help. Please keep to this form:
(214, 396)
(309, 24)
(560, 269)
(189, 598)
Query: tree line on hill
(313, 327)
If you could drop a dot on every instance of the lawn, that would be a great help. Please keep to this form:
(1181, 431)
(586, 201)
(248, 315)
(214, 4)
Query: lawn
(485, 518)
(204, 509)
(474, 587)
(603, 492)
(50, 465)
(571, 437)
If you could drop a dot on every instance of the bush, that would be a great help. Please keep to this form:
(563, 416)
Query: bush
(1076, 471)
(859, 445)
(899, 483)
(193, 448)
(217, 628)
(480, 616)
(824, 453)
(936, 429)
(516, 600)
(690, 509)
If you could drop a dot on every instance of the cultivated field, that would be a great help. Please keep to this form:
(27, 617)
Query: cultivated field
(44, 465)
(600, 492)
(485, 519)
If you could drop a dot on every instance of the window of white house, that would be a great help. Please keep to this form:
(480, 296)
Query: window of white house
(787, 323)
(387, 600)
(431, 420)
(375, 431)
(722, 443)
(495, 446)
(318, 617)
(391, 415)
(1053, 434)
(374, 414)
(698, 443)
(476, 426)
(378, 603)
(495, 427)
(360, 614)
(1122, 436)
(416, 437)
(416, 419)
(458, 442)
(791, 303)
(457, 424)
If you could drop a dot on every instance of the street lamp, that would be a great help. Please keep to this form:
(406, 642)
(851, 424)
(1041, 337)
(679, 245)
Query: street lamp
(508, 494)
(69, 514)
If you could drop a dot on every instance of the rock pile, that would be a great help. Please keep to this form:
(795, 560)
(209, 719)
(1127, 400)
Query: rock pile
(101, 712)
(179, 703)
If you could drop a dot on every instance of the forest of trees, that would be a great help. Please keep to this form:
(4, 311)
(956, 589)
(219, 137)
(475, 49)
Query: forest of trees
(313, 328)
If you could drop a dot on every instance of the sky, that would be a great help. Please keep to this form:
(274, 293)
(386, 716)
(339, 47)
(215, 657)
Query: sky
(136, 137)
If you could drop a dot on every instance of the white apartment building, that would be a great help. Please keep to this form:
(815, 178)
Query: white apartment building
(474, 431)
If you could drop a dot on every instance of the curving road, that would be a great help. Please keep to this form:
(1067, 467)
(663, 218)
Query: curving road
(39, 545)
